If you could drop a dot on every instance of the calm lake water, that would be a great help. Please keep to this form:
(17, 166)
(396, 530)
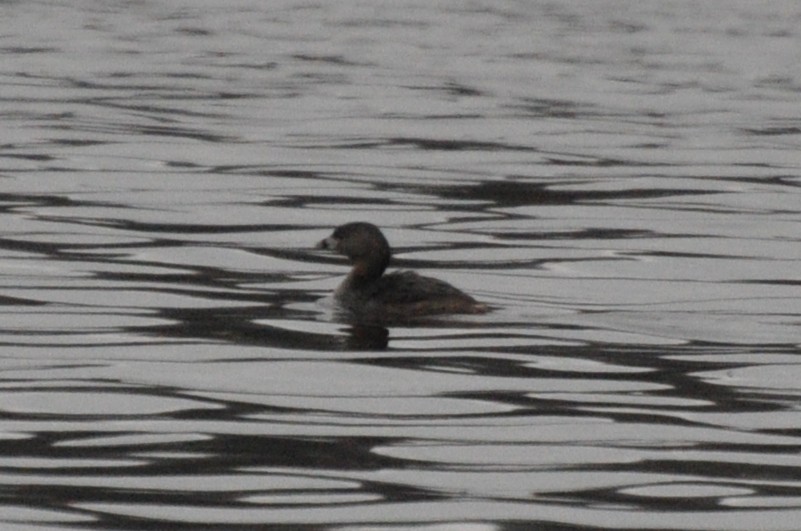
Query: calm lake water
(621, 180)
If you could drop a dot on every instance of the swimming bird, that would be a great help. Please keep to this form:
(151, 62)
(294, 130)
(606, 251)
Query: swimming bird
(402, 294)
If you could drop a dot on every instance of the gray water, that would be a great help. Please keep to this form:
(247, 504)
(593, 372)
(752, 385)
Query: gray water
(620, 180)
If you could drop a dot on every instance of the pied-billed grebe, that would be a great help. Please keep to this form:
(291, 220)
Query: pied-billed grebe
(402, 294)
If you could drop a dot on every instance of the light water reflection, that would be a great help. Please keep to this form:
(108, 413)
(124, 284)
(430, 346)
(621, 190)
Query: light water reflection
(620, 182)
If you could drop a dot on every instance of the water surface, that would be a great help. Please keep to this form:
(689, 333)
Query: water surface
(620, 180)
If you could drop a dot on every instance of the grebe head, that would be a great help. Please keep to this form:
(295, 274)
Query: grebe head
(363, 244)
